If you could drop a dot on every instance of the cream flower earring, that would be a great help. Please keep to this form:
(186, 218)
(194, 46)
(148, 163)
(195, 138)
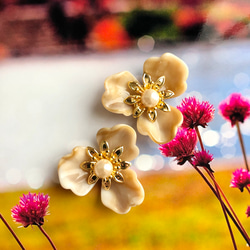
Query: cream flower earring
(81, 170)
(164, 77)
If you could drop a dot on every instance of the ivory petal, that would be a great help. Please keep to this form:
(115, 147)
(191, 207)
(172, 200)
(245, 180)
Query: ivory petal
(164, 128)
(170, 66)
(122, 196)
(120, 135)
(116, 91)
(71, 176)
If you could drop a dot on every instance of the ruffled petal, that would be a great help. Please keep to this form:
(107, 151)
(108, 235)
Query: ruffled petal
(71, 176)
(116, 91)
(122, 196)
(170, 66)
(164, 128)
(120, 135)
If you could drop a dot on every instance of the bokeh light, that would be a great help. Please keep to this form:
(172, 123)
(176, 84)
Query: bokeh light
(35, 178)
(13, 176)
(146, 43)
(241, 80)
(211, 138)
(146, 162)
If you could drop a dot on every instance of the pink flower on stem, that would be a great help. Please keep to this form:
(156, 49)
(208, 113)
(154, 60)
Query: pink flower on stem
(240, 179)
(202, 159)
(235, 108)
(248, 211)
(196, 113)
(31, 209)
(182, 146)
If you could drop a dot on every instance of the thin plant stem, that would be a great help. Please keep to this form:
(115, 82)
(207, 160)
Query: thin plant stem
(218, 192)
(199, 137)
(47, 236)
(247, 188)
(234, 214)
(12, 232)
(223, 208)
(240, 228)
(242, 144)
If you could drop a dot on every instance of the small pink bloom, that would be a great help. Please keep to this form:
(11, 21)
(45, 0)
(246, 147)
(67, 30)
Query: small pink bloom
(182, 146)
(240, 179)
(31, 209)
(235, 108)
(196, 113)
(202, 159)
(248, 211)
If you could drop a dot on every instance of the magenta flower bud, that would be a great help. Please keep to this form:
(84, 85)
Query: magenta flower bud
(182, 146)
(248, 211)
(202, 159)
(240, 179)
(196, 113)
(235, 108)
(31, 209)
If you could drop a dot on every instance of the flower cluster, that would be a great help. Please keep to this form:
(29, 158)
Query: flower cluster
(31, 209)
(236, 109)
(182, 147)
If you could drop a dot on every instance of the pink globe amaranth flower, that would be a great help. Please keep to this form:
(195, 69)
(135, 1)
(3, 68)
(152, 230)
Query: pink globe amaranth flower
(248, 211)
(235, 108)
(182, 146)
(31, 209)
(196, 113)
(202, 159)
(240, 179)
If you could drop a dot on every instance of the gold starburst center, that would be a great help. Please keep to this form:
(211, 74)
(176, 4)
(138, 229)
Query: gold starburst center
(105, 165)
(148, 97)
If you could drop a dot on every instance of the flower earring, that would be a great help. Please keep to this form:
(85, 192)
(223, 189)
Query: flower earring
(81, 170)
(164, 77)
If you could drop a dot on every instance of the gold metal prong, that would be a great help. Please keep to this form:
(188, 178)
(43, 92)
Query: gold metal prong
(152, 114)
(119, 177)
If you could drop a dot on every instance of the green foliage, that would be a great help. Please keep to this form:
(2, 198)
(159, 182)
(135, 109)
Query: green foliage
(155, 23)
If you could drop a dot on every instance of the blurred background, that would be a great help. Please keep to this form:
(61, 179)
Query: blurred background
(54, 58)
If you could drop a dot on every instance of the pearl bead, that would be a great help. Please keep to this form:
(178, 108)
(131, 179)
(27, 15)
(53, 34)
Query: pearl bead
(150, 98)
(103, 168)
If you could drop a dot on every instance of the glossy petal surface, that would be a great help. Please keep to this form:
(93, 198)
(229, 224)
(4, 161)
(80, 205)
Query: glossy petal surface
(116, 91)
(164, 128)
(71, 176)
(170, 66)
(120, 135)
(122, 196)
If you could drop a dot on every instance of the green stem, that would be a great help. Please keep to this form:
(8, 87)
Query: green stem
(47, 236)
(12, 232)
(242, 144)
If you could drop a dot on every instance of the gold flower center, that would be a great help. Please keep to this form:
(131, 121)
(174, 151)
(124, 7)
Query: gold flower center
(103, 168)
(150, 98)
(105, 165)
